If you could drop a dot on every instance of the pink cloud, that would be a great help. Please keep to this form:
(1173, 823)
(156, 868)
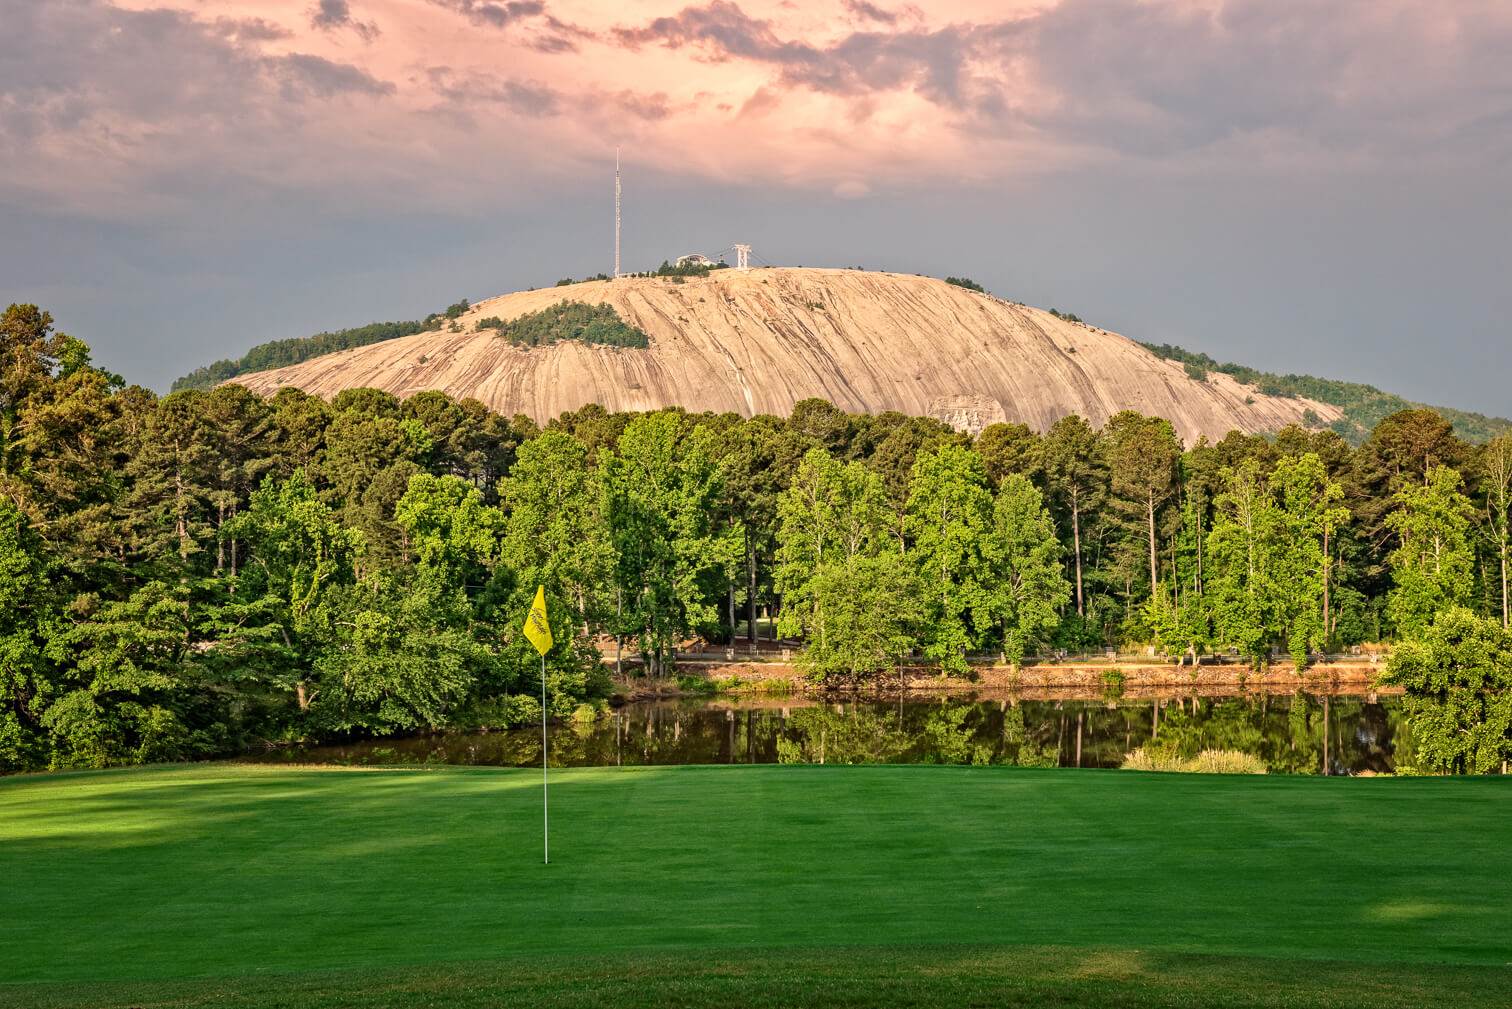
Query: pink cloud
(448, 97)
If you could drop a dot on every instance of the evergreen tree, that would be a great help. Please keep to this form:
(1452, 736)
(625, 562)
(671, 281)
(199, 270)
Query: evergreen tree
(28, 620)
(1076, 480)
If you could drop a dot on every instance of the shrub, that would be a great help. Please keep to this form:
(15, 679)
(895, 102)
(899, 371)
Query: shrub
(1206, 762)
(967, 283)
(570, 320)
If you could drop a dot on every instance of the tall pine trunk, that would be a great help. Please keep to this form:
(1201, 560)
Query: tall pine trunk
(1076, 540)
(1150, 512)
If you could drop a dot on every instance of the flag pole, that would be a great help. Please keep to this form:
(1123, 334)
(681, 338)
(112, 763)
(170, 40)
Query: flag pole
(545, 800)
(538, 632)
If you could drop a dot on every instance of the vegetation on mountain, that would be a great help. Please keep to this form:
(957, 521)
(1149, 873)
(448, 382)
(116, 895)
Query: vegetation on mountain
(182, 576)
(1364, 406)
(281, 353)
(967, 283)
(568, 320)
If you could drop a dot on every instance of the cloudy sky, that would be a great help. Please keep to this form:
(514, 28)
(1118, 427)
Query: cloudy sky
(1309, 185)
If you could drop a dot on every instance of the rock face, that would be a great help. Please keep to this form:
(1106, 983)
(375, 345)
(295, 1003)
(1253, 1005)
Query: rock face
(759, 341)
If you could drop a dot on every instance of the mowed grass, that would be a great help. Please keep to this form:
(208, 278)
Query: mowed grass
(260, 886)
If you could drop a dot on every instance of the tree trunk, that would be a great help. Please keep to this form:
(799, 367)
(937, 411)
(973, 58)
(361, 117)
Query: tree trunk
(1504, 584)
(181, 526)
(1076, 540)
(1154, 557)
(1326, 572)
(302, 696)
(751, 588)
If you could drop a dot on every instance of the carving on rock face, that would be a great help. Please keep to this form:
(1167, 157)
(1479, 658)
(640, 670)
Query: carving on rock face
(968, 412)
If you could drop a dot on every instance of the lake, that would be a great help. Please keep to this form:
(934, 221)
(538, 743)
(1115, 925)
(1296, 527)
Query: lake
(1292, 734)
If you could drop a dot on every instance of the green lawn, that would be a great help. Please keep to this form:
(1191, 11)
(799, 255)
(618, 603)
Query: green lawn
(768, 885)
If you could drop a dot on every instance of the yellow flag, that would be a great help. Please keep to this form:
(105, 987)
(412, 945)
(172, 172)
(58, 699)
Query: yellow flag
(537, 629)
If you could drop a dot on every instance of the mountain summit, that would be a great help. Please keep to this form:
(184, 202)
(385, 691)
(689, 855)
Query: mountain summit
(758, 341)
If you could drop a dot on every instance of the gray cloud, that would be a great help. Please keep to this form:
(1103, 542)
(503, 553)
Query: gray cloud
(493, 12)
(536, 100)
(527, 98)
(155, 105)
(870, 12)
(931, 62)
(251, 29)
(332, 15)
(303, 74)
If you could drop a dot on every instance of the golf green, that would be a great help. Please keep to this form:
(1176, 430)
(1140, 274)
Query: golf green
(172, 880)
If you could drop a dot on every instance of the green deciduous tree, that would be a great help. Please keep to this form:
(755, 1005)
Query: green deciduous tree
(1496, 491)
(831, 513)
(949, 516)
(866, 612)
(123, 669)
(672, 558)
(1023, 586)
(300, 553)
(399, 655)
(1458, 676)
(557, 532)
(1269, 557)
(1431, 567)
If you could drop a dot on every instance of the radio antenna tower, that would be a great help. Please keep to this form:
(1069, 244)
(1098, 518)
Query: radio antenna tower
(616, 213)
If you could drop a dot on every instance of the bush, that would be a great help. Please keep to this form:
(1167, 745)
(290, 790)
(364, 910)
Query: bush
(967, 283)
(1206, 762)
(571, 320)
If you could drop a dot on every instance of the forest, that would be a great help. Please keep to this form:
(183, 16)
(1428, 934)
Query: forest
(189, 575)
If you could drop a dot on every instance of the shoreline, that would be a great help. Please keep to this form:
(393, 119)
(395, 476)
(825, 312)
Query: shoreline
(1141, 680)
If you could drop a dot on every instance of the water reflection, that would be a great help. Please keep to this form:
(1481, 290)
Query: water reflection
(1297, 734)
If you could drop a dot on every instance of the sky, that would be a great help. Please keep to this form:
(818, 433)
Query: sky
(1318, 186)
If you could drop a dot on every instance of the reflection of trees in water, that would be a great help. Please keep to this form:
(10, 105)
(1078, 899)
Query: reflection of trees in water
(1290, 734)
(852, 735)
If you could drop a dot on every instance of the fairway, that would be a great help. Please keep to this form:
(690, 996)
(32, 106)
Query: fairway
(121, 882)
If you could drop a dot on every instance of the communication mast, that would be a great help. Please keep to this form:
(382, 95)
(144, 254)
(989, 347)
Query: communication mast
(616, 214)
(742, 256)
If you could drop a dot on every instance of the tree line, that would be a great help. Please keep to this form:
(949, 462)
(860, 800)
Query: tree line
(187, 575)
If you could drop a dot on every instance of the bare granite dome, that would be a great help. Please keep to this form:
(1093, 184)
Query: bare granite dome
(758, 341)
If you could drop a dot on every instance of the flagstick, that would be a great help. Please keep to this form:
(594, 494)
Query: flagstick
(545, 813)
